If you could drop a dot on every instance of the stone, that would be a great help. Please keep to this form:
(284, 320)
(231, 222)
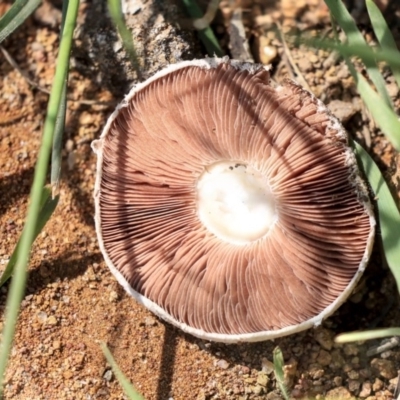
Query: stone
(273, 396)
(354, 385)
(344, 111)
(56, 345)
(365, 390)
(350, 349)
(108, 375)
(223, 364)
(257, 389)
(267, 366)
(262, 379)
(150, 321)
(113, 297)
(377, 385)
(386, 368)
(289, 373)
(324, 358)
(353, 374)
(52, 320)
(324, 338)
(338, 381)
(339, 393)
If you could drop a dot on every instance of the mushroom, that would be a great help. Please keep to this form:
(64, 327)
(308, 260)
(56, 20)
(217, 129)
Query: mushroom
(228, 206)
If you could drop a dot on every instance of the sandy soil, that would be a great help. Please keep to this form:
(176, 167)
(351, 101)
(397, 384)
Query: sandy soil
(73, 303)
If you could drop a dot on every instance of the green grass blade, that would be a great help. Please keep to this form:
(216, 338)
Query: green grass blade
(115, 10)
(16, 15)
(57, 141)
(122, 379)
(389, 216)
(206, 35)
(19, 279)
(278, 371)
(383, 115)
(60, 123)
(383, 34)
(389, 56)
(48, 205)
(354, 36)
(12, 12)
(367, 335)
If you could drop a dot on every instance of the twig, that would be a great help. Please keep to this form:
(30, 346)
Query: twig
(208, 17)
(384, 346)
(292, 65)
(238, 43)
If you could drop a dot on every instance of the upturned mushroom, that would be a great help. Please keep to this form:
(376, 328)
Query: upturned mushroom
(228, 206)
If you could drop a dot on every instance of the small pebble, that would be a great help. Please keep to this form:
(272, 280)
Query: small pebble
(223, 364)
(324, 338)
(354, 385)
(338, 380)
(305, 64)
(257, 389)
(377, 385)
(385, 368)
(267, 366)
(150, 321)
(68, 374)
(351, 350)
(113, 297)
(262, 379)
(339, 393)
(289, 373)
(42, 316)
(353, 374)
(343, 110)
(71, 160)
(365, 390)
(69, 145)
(324, 358)
(52, 320)
(108, 375)
(392, 89)
(56, 344)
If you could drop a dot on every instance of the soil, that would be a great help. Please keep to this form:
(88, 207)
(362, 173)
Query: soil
(73, 303)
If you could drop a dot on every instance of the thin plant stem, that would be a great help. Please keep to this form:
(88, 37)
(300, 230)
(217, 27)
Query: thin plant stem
(19, 280)
(206, 34)
(16, 16)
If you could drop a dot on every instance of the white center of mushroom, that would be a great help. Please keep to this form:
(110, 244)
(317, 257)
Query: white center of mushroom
(235, 203)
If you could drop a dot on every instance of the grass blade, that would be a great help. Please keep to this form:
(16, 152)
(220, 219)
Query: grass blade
(60, 123)
(129, 390)
(389, 56)
(367, 335)
(19, 279)
(354, 36)
(48, 205)
(383, 34)
(57, 141)
(16, 15)
(115, 10)
(11, 13)
(389, 216)
(278, 371)
(383, 115)
(206, 35)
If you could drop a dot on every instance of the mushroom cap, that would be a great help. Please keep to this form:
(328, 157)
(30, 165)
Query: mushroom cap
(172, 130)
